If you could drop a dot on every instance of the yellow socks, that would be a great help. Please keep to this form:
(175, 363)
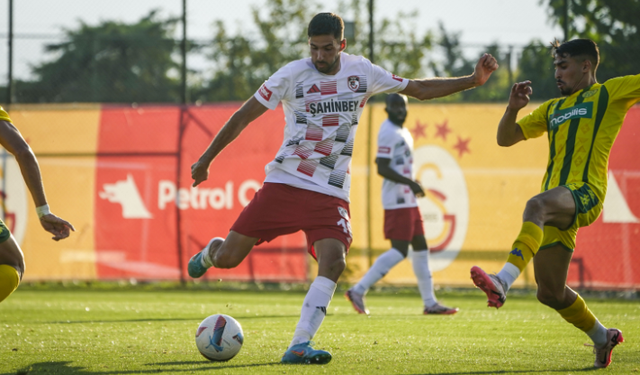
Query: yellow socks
(526, 245)
(9, 280)
(579, 315)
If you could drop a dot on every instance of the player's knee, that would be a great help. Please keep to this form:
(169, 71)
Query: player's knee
(550, 298)
(534, 209)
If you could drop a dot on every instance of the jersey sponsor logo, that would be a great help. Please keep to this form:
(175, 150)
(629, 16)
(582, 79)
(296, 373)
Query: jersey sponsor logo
(353, 83)
(125, 193)
(584, 110)
(313, 90)
(265, 92)
(399, 79)
(333, 106)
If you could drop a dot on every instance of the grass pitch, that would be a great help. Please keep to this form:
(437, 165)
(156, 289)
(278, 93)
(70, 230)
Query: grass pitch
(136, 331)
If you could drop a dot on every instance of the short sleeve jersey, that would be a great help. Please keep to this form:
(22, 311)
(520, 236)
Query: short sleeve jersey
(4, 116)
(581, 129)
(321, 117)
(396, 143)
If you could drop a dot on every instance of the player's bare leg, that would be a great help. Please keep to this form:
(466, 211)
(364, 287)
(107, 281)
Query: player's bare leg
(551, 266)
(331, 255)
(555, 207)
(11, 267)
(221, 253)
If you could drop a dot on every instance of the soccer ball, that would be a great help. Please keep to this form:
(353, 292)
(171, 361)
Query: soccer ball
(219, 337)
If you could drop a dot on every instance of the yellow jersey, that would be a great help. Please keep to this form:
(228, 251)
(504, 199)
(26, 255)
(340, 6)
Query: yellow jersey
(4, 116)
(581, 129)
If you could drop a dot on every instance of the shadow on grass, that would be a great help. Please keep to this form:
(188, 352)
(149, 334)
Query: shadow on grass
(161, 320)
(564, 371)
(67, 368)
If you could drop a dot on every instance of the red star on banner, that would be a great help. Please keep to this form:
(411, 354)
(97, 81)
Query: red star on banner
(462, 146)
(443, 130)
(419, 130)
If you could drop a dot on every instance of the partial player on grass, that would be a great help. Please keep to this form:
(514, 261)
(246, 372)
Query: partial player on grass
(581, 128)
(11, 258)
(403, 224)
(307, 184)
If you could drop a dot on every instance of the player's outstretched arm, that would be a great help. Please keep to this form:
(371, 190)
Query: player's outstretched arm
(438, 87)
(13, 142)
(509, 132)
(250, 110)
(385, 170)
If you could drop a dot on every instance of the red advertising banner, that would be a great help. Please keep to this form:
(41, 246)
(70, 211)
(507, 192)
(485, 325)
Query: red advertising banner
(606, 255)
(141, 193)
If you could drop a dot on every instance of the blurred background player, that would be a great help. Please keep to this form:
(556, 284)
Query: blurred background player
(403, 223)
(581, 128)
(307, 184)
(11, 257)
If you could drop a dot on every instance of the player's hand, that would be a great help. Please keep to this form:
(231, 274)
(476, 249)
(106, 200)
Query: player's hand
(199, 172)
(485, 66)
(58, 227)
(520, 93)
(417, 189)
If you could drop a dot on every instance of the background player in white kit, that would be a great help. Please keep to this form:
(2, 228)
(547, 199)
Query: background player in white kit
(307, 184)
(403, 223)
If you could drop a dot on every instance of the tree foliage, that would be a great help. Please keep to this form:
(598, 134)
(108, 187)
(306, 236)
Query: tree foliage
(110, 62)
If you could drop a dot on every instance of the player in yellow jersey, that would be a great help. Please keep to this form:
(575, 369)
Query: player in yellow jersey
(11, 257)
(581, 128)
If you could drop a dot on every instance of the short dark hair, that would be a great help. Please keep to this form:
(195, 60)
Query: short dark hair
(585, 48)
(326, 24)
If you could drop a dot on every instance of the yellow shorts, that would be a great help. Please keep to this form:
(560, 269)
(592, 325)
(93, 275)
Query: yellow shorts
(4, 232)
(588, 208)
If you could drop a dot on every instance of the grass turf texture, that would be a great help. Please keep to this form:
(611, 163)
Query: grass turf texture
(135, 331)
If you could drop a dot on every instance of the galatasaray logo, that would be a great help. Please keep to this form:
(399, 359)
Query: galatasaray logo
(445, 206)
(13, 196)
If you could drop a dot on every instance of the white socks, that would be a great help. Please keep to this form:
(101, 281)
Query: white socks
(423, 273)
(206, 258)
(380, 267)
(598, 334)
(314, 309)
(508, 274)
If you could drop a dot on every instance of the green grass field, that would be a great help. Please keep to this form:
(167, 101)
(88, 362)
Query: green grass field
(137, 331)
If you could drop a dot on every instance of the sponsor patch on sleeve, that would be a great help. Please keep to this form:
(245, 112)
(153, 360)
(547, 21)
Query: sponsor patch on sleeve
(384, 150)
(265, 92)
(397, 78)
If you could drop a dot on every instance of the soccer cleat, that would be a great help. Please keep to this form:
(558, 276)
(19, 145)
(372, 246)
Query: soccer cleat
(357, 300)
(603, 354)
(440, 309)
(491, 285)
(197, 267)
(304, 354)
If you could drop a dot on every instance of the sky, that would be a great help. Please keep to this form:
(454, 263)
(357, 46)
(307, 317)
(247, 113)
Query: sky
(481, 22)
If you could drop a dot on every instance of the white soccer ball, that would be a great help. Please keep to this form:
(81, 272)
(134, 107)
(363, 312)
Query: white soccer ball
(219, 337)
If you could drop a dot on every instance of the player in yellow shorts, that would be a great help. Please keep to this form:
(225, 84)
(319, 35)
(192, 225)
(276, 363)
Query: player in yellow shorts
(581, 128)
(11, 257)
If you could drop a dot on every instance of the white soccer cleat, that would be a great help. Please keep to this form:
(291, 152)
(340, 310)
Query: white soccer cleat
(603, 354)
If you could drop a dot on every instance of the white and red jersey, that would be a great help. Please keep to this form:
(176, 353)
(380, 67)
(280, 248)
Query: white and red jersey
(321, 116)
(396, 143)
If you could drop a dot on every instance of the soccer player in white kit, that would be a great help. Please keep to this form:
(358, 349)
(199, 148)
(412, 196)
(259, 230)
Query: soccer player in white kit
(307, 184)
(403, 223)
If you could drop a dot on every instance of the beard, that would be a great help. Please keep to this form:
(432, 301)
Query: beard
(328, 67)
(398, 120)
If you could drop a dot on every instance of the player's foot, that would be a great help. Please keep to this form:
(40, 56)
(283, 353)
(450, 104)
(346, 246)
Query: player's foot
(491, 285)
(603, 354)
(304, 354)
(357, 300)
(199, 263)
(440, 309)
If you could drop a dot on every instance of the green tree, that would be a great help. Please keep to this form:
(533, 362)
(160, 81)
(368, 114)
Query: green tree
(110, 62)
(242, 64)
(613, 24)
